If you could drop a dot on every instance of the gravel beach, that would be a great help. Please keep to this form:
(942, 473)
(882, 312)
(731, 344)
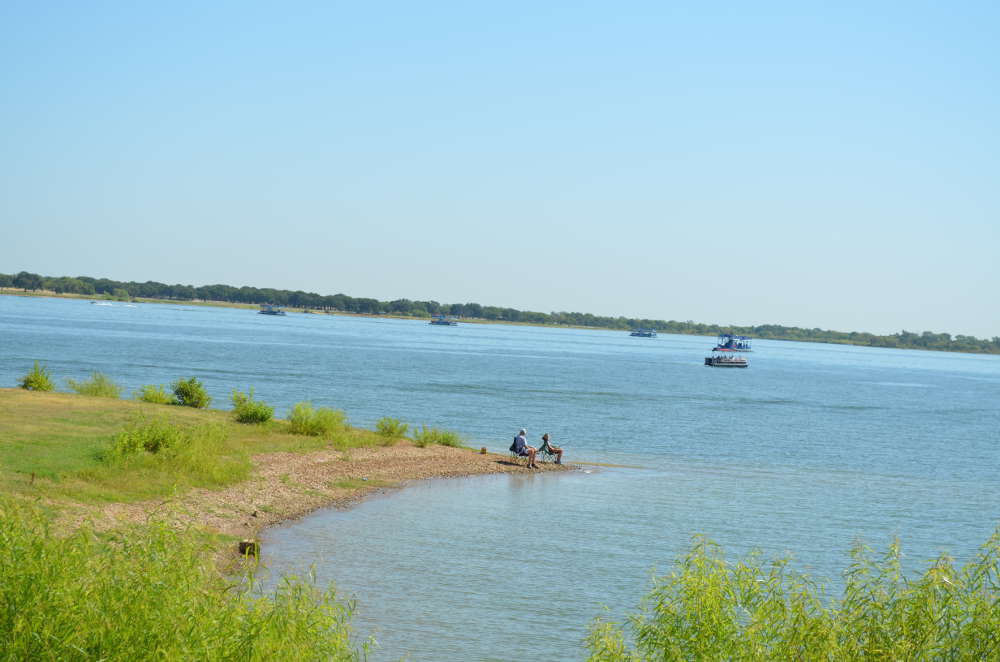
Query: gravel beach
(286, 486)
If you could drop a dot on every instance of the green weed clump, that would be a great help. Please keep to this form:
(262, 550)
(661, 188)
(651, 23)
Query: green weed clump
(709, 609)
(192, 454)
(248, 410)
(392, 428)
(425, 436)
(154, 393)
(191, 393)
(38, 379)
(151, 592)
(141, 435)
(99, 385)
(322, 422)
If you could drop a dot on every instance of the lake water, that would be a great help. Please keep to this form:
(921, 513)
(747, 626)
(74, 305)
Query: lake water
(810, 449)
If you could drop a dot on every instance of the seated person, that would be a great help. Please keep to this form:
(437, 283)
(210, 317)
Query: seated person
(554, 450)
(522, 448)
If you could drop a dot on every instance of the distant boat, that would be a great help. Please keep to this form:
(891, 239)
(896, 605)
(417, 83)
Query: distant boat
(102, 303)
(441, 320)
(270, 309)
(643, 333)
(725, 358)
(733, 343)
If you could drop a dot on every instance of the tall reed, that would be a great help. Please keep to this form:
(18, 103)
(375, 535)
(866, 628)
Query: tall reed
(321, 422)
(707, 608)
(149, 592)
(154, 393)
(425, 436)
(391, 428)
(98, 385)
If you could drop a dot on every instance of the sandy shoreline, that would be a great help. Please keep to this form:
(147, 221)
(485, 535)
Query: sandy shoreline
(286, 486)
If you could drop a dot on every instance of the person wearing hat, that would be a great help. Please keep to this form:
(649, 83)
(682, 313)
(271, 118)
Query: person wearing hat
(522, 448)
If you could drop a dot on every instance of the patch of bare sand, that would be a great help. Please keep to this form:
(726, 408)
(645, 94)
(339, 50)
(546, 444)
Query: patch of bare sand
(286, 486)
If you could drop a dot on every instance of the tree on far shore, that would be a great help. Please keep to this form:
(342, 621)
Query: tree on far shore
(28, 281)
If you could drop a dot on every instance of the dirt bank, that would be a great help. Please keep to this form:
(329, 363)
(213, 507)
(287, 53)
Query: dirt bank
(289, 485)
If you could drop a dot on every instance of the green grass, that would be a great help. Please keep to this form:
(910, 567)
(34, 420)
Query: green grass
(425, 436)
(98, 385)
(323, 422)
(64, 440)
(191, 456)
(154, 393)
(391, 428)
(707, 608)
(149, 592)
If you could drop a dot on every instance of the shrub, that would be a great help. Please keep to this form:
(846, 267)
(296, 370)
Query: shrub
(316, 422)
(154, 592)
(38, 379)
(391, 427)
(190, 455)
(149, 436)
(191, 393)
(99, 385)
(155, 393)
(710, 609)
(426, 435)
(248, 410)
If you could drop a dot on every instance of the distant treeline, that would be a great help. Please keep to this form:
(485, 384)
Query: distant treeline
(88, 286)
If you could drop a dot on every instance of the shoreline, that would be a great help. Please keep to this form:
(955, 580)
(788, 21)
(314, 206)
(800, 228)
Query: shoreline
(12, 291)
(286, 486)
(51, 440)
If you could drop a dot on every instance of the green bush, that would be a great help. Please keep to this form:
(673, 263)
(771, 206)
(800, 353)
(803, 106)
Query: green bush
(426, 435)
(710, 609)
(391, 427)
(38, 379)
(149, 436)
(192, 455)
(155, 393)
(322, 422)
(99, 385)
(191, 393)
(248, 410)
(147, 592)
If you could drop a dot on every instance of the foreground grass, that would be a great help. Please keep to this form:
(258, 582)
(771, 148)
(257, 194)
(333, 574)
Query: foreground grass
(149, 592)
(56, 445)
(709, 609)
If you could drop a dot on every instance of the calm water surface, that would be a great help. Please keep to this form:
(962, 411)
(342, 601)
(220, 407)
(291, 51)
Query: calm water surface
(812, 448)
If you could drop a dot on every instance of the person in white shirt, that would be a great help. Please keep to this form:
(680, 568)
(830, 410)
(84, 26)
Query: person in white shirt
(522, 448)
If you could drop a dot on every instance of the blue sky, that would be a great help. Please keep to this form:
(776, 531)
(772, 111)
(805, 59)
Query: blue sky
(828, 165)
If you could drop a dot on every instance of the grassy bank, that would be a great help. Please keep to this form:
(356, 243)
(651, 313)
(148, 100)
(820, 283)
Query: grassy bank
(148, 589)
(113, 514)
(55, 446)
